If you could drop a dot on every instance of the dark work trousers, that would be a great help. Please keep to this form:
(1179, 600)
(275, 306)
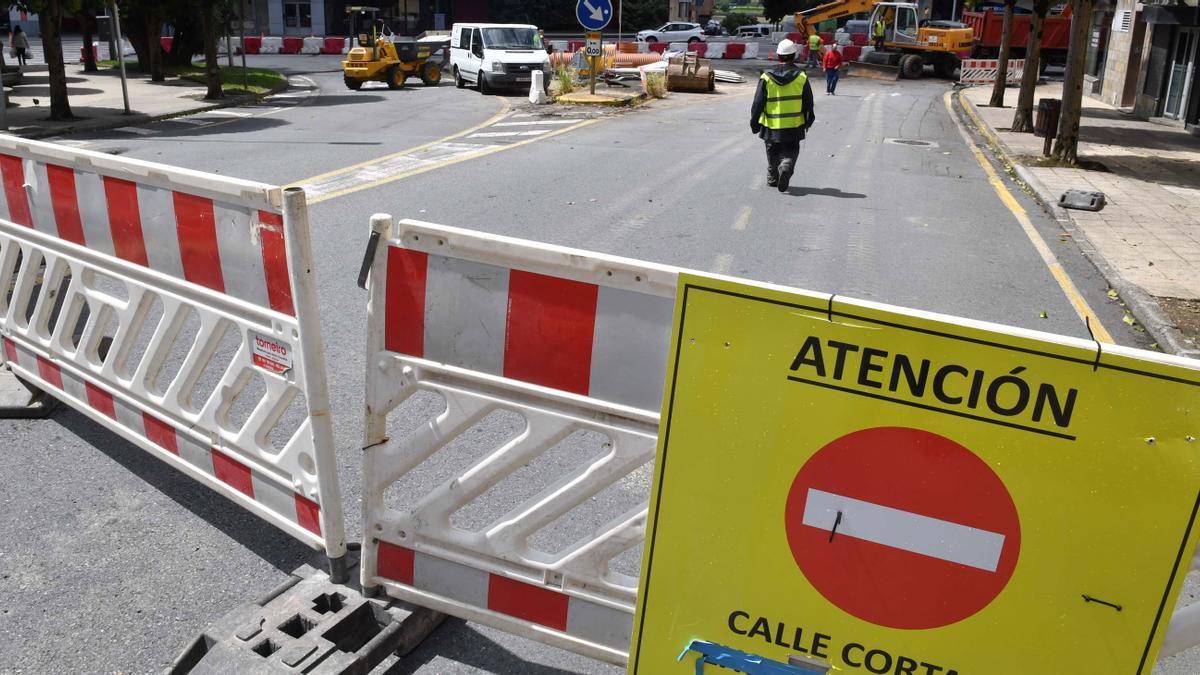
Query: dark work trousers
(878, 43)
(831, 80)
(778, 152)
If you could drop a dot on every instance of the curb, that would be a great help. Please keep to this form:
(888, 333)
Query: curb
(1140, 304)
(135, 118)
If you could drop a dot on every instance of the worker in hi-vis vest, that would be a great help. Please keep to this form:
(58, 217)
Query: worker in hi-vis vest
(877, 31)
(815, 52)
(782, 113)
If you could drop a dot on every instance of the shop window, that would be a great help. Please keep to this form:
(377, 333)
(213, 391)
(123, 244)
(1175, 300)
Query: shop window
(297, 14)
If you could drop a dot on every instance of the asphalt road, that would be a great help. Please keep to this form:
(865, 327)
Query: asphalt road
(113, 562)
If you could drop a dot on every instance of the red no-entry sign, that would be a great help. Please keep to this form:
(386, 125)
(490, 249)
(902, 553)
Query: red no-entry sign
(902, 528)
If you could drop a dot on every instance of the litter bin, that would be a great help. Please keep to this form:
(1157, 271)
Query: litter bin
(1045, 124)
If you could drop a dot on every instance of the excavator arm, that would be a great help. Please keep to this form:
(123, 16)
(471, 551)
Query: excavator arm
(806, 21)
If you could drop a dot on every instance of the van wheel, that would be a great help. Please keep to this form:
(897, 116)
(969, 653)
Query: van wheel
(459, 82)
(484, 88)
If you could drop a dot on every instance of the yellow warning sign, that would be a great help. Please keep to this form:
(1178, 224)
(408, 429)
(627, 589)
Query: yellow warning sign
(910, 494)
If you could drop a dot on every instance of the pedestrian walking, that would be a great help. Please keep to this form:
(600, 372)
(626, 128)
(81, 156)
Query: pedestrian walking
(877, 31)
(19, 45)
(814, 51)
(833, 61)
(782, 113)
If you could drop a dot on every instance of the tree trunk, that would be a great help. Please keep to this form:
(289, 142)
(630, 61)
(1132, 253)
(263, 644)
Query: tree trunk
(1066, 146)
(87, 19)
(154, 55)
(1023, 118)
(189, 37)
(1005, 46)
(50, 19)
(212, 67)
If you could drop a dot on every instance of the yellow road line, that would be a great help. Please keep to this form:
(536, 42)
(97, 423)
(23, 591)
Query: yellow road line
(743, 219)
(1056, 270)
(505, 107)
(474, 155)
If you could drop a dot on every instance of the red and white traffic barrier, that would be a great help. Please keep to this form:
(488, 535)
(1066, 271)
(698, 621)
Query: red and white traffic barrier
(985, 71)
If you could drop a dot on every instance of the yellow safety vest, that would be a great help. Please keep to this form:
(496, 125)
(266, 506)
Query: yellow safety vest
(879, 28)
(785, 104)
(814, 42)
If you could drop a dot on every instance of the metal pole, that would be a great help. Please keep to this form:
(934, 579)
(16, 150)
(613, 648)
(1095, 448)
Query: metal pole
(229, 46)
(120, 54)
(620, 26)
(3, 105)
(242, 33)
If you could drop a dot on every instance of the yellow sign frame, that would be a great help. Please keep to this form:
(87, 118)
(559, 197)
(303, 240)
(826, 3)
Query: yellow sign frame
(1107, 490)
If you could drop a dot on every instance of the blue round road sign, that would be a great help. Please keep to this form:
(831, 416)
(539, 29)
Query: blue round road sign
(593, 14)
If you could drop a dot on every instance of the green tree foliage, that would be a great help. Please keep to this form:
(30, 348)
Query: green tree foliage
(732, 22)
(558, 15)
(775, 10)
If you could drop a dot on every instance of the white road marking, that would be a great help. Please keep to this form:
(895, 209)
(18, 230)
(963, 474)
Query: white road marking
(723, 263)
(138, 131)
(527, 124)
(743, 219)
(904, 530)
(435, 154)
(194, 121)
(229, 113)
(71, 143)
(502, 134)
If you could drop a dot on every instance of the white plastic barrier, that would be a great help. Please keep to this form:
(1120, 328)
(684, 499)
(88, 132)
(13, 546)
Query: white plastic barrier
(751, 51)
(270, 45)
(235, 44)
(716, 50)
(566, 341)
(560, 45)
(177, 309)
(985, 71)
(574, 346)
(312, 45)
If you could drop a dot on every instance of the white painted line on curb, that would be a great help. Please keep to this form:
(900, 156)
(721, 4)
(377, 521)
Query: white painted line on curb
(502, 134)
(527, 124)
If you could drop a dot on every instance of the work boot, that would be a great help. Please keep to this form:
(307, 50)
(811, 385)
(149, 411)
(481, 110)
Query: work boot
(772, 178)
(785, 175)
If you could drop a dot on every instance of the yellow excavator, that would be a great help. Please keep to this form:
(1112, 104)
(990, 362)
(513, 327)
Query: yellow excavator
(383, 57)
(910, 41)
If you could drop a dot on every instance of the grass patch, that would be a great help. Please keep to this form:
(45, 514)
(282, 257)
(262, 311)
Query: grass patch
(260, 80)
(656, 85)
(565, 77)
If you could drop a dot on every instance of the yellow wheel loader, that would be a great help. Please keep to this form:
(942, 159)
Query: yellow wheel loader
(381, 56)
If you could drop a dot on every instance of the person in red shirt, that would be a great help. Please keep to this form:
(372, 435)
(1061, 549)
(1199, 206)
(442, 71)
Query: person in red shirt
(833, 61)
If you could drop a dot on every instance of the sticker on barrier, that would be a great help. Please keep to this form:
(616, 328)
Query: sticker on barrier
(538, 528)
(985, 71)
(893, 491)
(178, 310)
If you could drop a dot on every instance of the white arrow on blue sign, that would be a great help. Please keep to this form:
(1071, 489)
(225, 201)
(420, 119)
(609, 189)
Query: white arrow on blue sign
(593, 14)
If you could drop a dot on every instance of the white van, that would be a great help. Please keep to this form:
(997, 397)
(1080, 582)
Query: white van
(493, 55)
(759, 30)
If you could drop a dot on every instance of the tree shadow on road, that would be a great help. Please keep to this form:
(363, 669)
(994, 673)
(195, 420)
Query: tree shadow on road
(798, 191)
(258, 536)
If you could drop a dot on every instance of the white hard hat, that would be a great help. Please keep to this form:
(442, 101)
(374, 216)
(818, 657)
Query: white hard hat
(786, 48)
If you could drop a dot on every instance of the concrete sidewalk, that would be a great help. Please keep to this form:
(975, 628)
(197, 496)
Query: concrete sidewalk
(97, 103)
(1146, 241)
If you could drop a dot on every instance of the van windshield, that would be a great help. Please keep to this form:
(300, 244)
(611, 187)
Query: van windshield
(512, 38)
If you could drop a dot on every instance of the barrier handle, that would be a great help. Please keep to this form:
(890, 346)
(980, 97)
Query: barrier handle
(364, 270)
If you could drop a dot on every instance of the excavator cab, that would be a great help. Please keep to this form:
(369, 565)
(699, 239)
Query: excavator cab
(900, 20)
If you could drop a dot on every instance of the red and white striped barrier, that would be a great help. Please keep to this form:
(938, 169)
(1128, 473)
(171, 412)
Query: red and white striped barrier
(159, 300)
(985, 71)
(572, 342)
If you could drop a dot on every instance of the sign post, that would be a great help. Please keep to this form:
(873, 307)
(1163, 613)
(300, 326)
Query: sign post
(891, 491)
(593, 15)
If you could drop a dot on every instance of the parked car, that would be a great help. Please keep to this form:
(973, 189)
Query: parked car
(759, 30)
(492, 55)
(859, 26)
(714, 27)
(676, 31)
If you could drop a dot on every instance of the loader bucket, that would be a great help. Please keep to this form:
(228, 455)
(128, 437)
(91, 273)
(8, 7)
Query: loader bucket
(690, 73)
(874, 71)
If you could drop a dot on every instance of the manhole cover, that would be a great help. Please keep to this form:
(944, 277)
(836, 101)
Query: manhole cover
(911, 141)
